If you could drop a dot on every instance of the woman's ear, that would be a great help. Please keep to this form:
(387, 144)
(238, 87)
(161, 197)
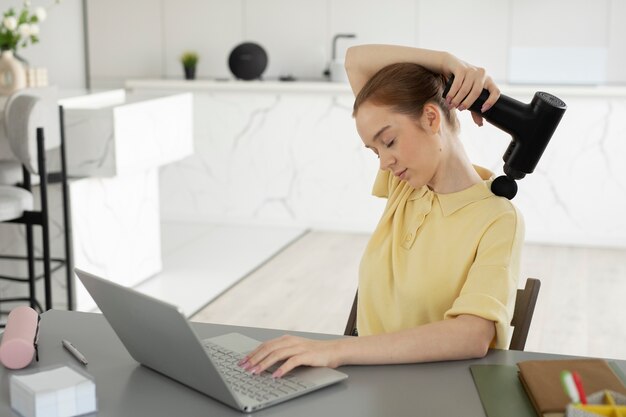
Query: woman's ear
(431, 118)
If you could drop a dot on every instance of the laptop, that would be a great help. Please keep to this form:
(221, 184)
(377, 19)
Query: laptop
(157, 335)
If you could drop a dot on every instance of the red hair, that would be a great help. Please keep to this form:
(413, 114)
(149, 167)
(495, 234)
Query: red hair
(406, 88)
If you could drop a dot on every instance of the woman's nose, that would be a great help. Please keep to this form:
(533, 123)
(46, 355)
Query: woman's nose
(386, 161)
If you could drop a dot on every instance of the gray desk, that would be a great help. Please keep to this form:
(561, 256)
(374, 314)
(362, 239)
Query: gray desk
(124, 388)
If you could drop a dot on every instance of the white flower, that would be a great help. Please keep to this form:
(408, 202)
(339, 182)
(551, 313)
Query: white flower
(41, 14)
(34, 29)
(10, 22)
(24, 30)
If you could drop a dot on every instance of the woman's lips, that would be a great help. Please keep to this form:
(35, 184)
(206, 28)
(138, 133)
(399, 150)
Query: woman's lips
(401, 174)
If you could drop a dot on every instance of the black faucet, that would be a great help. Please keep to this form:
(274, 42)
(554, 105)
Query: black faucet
(336, 37)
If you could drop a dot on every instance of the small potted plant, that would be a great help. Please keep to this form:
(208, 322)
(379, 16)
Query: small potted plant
(189, 60)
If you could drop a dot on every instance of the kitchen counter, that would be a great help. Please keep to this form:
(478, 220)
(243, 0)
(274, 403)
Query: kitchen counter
(321, 86)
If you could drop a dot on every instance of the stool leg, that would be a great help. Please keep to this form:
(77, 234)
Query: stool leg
(45, 234)
(67, 222)
(45, 226)
(30, 253)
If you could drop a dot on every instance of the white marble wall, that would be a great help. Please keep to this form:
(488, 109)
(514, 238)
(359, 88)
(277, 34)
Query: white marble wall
(294, 158)
(116, 229)
(272, 158)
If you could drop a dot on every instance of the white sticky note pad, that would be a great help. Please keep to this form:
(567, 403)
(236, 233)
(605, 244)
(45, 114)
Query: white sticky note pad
(58, 392)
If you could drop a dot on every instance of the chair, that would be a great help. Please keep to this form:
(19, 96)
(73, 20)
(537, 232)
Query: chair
(24, 115)
(522, 314)
(11, 171)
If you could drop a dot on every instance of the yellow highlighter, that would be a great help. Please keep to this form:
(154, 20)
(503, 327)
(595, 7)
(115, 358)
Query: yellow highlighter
(607, 408)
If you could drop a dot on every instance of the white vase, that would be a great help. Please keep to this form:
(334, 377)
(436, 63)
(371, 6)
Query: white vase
(12, 74)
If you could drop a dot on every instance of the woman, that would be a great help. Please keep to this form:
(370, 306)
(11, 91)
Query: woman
(438, 278)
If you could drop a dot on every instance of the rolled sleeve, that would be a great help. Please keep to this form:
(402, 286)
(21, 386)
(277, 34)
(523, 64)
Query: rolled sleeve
(491, 285)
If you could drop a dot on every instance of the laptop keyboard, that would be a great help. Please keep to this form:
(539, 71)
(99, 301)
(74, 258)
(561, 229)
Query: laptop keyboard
(261, 387)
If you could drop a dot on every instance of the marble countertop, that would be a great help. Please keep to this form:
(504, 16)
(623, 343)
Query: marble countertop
(337, 87)
(241, 86)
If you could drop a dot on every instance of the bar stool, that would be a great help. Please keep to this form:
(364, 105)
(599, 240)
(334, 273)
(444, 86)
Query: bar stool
(11, 173)
(25, 114)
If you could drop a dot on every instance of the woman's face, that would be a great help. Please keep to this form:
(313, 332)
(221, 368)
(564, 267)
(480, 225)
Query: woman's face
(410, 149)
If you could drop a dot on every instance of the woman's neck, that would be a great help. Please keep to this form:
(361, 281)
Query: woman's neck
(455, 171)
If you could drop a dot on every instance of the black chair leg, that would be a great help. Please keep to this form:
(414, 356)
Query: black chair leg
(30, 251)
(69, 260)
(45, 226)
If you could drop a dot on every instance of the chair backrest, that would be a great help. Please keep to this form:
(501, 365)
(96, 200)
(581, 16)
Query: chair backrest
(523, 313)
(21, 117)
(525, 301)
(26, 110)
(351, 325)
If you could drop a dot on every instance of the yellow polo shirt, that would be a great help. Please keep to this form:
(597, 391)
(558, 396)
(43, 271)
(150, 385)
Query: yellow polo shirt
(436, 256)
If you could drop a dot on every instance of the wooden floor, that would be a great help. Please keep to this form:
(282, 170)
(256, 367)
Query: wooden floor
(310, 286)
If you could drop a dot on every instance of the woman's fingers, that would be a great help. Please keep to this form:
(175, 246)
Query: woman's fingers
(474, 89)
(466, 93)
(454, 90)
(263, 350)
(469, 87)
(275, 357)
(271, 352)
(494, 94)
(294, 351)
(289, 365)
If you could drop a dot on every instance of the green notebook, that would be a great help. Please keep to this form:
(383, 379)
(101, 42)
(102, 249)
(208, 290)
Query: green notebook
(501, 391)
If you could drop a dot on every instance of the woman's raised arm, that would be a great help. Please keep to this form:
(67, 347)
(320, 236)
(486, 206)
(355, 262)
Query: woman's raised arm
(363, 61)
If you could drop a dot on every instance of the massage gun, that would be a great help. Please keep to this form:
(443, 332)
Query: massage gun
(531, 126)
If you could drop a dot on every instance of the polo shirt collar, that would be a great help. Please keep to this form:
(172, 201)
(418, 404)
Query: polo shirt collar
(453, 202)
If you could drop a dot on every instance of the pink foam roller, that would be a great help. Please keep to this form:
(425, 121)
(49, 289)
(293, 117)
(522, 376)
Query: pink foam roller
(17, 348)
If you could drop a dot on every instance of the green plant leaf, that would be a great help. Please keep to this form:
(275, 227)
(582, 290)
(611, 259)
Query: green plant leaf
(23, 16)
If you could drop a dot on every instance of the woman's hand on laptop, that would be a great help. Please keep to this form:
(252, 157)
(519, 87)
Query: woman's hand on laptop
(294, 351)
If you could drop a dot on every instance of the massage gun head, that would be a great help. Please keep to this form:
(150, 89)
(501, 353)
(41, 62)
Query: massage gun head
(531, 126)
(504, 186)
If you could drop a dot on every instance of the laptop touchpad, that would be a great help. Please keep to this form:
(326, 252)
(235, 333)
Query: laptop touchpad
(236, 341)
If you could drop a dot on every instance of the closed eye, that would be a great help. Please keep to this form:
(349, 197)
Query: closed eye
(390, 143)
(373, 150)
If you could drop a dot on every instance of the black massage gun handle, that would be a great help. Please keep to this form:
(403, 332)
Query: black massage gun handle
(531, 126)
(505, 110)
